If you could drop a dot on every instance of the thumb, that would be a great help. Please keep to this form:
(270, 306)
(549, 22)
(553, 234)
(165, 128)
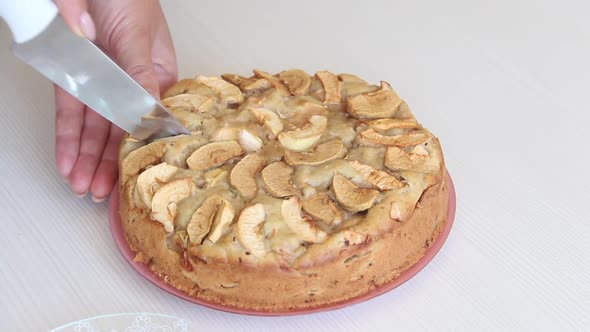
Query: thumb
(132, 50)
(75, 13)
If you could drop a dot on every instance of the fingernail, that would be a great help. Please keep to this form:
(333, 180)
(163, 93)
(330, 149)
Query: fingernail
(82, 195)
(97, 200)
(87, 26)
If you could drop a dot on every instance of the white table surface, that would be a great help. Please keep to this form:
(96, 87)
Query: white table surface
(504, 84)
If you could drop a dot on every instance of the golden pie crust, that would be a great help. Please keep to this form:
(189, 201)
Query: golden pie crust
(292, 191)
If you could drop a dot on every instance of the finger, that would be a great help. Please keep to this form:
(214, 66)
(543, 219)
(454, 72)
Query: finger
(75, 13)
(94, 137)
(107, 171)
(69, 120)
(163, 54)
(132, 46)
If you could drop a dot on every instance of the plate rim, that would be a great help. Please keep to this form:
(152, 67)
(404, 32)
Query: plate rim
(145, 272)
(97, 318)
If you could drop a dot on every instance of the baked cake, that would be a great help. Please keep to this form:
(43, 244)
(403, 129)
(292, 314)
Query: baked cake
(292, 192)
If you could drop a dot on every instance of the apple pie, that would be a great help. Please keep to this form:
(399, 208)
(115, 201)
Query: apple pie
(292, 191)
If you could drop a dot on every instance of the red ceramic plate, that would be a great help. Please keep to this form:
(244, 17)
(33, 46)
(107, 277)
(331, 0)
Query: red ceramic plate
(119, 237)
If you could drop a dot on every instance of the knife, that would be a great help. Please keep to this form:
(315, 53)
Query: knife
(44, 41)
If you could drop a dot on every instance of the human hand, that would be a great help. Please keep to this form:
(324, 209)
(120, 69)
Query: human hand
(134, 33)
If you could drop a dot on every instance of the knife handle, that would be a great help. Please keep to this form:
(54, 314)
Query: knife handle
(27, 18)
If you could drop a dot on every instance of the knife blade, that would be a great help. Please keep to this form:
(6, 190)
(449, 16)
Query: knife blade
(82, 69)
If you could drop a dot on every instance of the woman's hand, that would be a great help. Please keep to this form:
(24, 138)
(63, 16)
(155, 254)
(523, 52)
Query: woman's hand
(134, 33)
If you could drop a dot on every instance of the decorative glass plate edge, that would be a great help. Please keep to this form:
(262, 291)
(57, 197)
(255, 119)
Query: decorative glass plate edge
(127, 322)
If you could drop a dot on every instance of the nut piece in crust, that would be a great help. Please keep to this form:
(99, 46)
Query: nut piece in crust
(141, 158)
(386, 124)
(243, 175)
(332, 87)
(303, 227)
(348, 237)
(214, 154)
(151, 179)
(399, 211)
(352, 197)
(227, 92)
(276, 82)
(404, 140)
(321, 207)
(303, 138)
(268, 118)
(224, 216)
(297, 81)
(277, 179)
(322, 153)
(249, 141)
(251, 229)
(374, 105)
(397, 159)
(200, 223)
(378, 178)
(165, 200)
